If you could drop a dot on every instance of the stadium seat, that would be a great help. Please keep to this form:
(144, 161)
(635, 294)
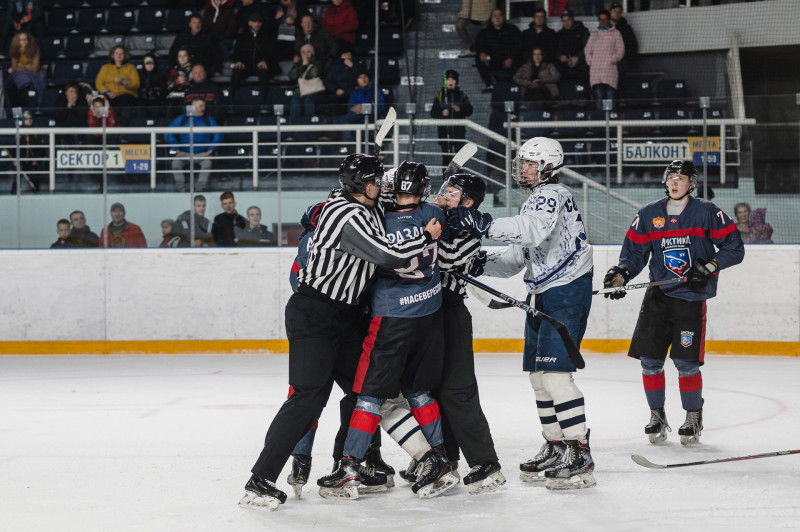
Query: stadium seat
(365, 43)
(141, 121)
(92, 69)
(671, 92)
(636, 93)
(65, 71)
(90, 20)
(151, 19)
(390, 42)
(675, 113)
(60, 21)
(247, 100)
(573, 94)
(51, 46)
(505, 92)
(103, 44)
(389, 71)
(177, 19)
(578, 116)
(164, 43)
(121, 20)
(278, 95)
(138, 45)
(79, 46)
(49, 100)
(640, 114)
(537, 115)
(241, 119)
(576, 153)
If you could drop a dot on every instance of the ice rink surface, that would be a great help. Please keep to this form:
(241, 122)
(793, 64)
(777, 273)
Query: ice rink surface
(165, 443)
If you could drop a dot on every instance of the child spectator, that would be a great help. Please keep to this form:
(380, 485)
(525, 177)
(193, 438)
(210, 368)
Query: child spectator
(153, 88)
(451, 102)
(63, 242)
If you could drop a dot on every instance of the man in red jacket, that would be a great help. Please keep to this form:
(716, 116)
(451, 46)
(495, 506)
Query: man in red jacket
(120, 233)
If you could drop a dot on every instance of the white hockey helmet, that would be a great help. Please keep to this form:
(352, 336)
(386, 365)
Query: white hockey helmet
(547, 153)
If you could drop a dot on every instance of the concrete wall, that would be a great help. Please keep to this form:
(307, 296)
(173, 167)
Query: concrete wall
(144, 295)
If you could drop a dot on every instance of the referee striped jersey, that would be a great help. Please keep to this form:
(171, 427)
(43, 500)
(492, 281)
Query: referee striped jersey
(348, 244)
(455, 256)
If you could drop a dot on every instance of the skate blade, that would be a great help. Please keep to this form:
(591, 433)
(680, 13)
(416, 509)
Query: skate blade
(495, 480)
(298, 490)
(343, 492)
(582, 481)
(389, 481)
(372, 489)
(257, 502)
(446, 482)
(657, 438)
(690, 440)
(532, 478)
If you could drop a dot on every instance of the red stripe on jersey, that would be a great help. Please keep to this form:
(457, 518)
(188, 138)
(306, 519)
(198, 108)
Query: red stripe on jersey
(291, 391)
(702, 355)
(691, 384)
(654, 383)
(725, 231)
(364, 421)
(295, 267)
(366, 352)
(427, 414)
(637, 238)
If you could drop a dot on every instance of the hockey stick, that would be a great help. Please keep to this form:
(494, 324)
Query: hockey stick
(561, 329)
(460, 159)
(386, 127)
(644, 462)
(627, 287)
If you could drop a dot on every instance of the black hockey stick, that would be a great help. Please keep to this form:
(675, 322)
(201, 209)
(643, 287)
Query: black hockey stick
(386, 127)
(644, 462)
(636, 286)
(561, 329)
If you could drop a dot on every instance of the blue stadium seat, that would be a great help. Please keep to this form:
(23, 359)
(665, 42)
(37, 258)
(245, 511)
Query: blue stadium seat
(121, 20)
(65, 71)
(365, 43)
(177, 19)
(60, 21)
(576, 153)
(389, 71)
(573, 92)
(537, 115)
(279, 95)
(248, 99)
(79, 46)
(676, 113)
(90, 20)
(575, 115)
(636, 93)
(640, 114)
(390, 41)
(51, 46)
(151, 19)
(92, 69)
(504, 92)
(241, 119)
(671, 92)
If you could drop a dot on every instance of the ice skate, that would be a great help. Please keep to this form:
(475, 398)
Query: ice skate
(434, 477)
(574, 471)
(484, 478)
(372, 480)
(658, 427)
(301, 469)
(374, 460)
(342, 483)
(551, 453)
(409, 474)
(454, 469)
(261, 494)
(692, 428)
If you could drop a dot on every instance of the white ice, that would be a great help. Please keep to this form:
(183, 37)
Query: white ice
(165, 443)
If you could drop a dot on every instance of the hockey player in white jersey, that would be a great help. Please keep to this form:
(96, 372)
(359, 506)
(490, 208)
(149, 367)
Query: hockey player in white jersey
(548, 240)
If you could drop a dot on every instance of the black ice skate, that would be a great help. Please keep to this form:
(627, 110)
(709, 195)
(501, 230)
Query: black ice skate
(342, 483)
(692, 428)
(374, 460)
(261, 494)
(575, 469)
(301, 469)
(550, 454)
(658, 427)
(434, 477)
(409, 474)
(372, 480)
(483, 478)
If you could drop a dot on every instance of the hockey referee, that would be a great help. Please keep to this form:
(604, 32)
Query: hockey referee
(323, 317)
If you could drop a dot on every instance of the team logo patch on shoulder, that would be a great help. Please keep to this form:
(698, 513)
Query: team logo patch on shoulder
(686, 338)
(658, 223)
(677, 260)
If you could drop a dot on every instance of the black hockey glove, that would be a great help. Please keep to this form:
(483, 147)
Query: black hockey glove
(477, 263)
(616, 277)
(700, 272)
(464, 220)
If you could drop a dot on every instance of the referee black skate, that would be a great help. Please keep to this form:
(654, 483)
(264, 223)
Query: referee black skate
(323, 317)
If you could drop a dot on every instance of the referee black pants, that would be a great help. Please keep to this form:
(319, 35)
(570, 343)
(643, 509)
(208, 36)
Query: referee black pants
(463, 422)
(324, 347)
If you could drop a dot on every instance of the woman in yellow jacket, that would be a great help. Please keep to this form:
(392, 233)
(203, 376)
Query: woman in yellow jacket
(119, 82)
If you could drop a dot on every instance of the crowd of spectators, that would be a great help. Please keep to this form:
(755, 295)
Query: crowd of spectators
(229, 229)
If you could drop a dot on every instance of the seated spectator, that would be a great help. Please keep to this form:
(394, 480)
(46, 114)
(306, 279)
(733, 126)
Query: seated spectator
(95, 119)
(26, 71)
(362, 93)
(81, 235)
(604, 50)
(70, 111)
(287, 26)
(247, 8)
(538, 79)
(202, 226)
(203, 145)
(168, 240)
(120, 233)
(219, 20)
(253, 55)
(341, 21)
(255, 234)
(119, 81)
(752, 225)
(201, 45)
(538, 35)
(225, 223)
(497, 47)
(63, 242)
(571, 40)
(325, 47)
(451, 102)
(310, 87)
(153, 88)
(201, 87)
(178, 82)
(340, 78)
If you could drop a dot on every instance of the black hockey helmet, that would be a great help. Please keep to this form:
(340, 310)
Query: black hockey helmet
(412, 178)
(682, 167)
(357, 170)
(471, 186)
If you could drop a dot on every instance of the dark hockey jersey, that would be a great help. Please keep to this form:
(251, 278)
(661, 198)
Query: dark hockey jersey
(414, 290)
(701, 231)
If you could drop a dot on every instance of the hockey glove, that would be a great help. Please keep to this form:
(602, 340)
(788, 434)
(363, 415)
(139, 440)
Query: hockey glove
(700, 272)
(616, 277)
(477, 263)
(464, 220)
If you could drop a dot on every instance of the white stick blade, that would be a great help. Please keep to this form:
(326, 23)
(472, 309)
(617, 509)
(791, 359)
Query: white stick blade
(465, 154)
(386, 127)
(644, 462)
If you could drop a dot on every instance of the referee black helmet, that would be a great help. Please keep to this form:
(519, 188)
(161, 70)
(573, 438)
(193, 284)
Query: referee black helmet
(357, 170)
